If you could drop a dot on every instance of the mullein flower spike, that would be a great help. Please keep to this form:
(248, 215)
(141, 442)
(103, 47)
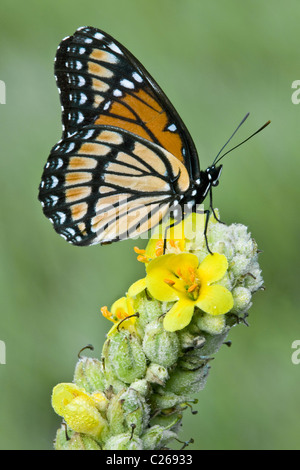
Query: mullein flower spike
(166, 329)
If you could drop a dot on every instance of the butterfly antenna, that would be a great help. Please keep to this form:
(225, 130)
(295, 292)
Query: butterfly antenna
(241, 143)
(242, 122)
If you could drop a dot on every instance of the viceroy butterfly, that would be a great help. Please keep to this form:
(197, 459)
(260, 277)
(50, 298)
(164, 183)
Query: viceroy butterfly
(125, 159)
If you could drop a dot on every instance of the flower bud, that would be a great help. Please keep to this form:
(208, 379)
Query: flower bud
(124, 441)
(78, 409)
(254, 281)
(160, 346)
(128, 409)
(74, 441)
(164, 400)
(189, 340)
(186, 382)
(141, 386)
(135, 409)
(89, 374)
(239, 265)
(212, 324)
(157, 374)
(124, 356)
(213, 344)
(115, 415)
(157, 437)
(149, 309)
(242, 299)
(169, 419)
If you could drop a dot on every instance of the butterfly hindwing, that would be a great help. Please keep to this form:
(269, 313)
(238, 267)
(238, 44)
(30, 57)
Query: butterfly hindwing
(101, 82)
(104, 184)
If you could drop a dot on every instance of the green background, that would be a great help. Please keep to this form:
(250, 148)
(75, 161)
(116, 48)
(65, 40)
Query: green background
(216, 60)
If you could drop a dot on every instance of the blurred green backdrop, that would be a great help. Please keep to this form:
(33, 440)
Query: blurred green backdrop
(216, 60)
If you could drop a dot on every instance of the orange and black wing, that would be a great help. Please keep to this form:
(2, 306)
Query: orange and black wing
(104, 184)
(102, 83)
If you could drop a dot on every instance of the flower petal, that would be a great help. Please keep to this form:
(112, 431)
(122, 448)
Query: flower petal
(212, 268)
(157, 271)
(137, 287)
(179, 315)
(119, 308)
(215, 300)
(159, 289)
(183, 262)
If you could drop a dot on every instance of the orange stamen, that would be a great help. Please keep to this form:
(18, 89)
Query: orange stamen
(172, 243)
(120, 314)
(192, 288)
(139, 251)
(169, 282)
(159, 249)
(105, 312)
(143, 259)
(192, 274)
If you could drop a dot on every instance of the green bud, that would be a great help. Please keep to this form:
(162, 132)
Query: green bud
(212, 324)
(157, 374)
(74, 441)
(124, 357)
(243, 243)
(160, 346)
(242, 300)
(170, 419)
(213, 343)
(189, 340)
(115, 415)
(253, 280)
(187, 382)
(62, 438)
(239, 265)
(127, 409)
(157, 437)
(141, 386)
(124, 441)
(149, 309)
(192, 360)
(89, 374)
(135, 409)
(163, 400)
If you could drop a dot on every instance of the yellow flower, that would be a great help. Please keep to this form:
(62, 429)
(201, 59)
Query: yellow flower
(79, 409)
(179, 278)
(178, 236)
(120, 310)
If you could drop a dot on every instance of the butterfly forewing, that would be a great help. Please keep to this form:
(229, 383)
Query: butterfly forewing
(125, 158)
(101, 82)
(104, 184)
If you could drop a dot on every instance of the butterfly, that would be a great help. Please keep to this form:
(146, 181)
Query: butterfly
(125, 159)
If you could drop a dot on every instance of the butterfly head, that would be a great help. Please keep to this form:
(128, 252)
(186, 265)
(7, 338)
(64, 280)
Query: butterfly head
(201, 187)
(213, 174)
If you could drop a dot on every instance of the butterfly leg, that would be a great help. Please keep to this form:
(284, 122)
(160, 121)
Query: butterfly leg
(166, 230)
(212, 208)
(207, 212)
